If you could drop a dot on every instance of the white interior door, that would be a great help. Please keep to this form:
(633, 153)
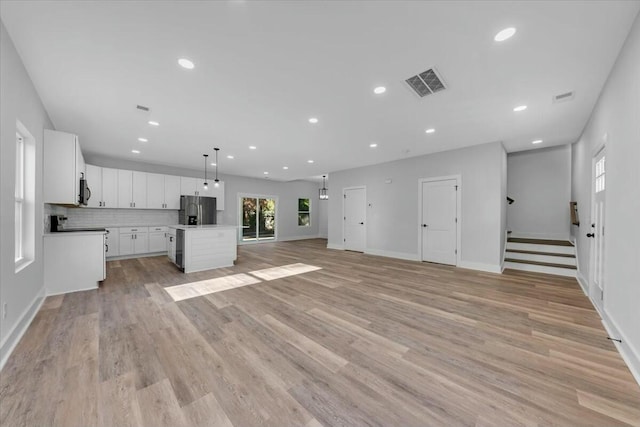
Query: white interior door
(439, 221)
(355, 212)
(597, 226)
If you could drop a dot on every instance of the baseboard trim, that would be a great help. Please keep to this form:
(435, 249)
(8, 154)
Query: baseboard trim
(391, 254)
(132, 256)
(480, 266)
(15, 335)
(288, 239)
(93, 288)
(582, 282)
(335, 246)
(630, 355)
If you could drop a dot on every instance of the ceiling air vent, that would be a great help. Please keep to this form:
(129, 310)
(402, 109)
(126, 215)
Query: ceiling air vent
(142, 107)
(426, 83)
(567, 96)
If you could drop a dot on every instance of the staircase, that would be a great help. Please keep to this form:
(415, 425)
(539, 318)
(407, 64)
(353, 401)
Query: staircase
(541, 255)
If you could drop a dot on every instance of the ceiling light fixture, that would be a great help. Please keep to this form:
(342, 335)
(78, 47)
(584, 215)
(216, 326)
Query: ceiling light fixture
(285, 167)
(505, 34)
(313, 120)
(143, 139)
(185, 63)
(153, 123)
(374, 145)
(520, 108)
(213, 164)
(216, 182)
(309, 161)
(252, 147)
(265, 172)
(135, 151)
(229, 156)
(206, 184)
(380, 90)
(432, 130)
(323, 192)
(537, 141)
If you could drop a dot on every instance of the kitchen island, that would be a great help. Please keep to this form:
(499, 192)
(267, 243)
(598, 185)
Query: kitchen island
(203, 247)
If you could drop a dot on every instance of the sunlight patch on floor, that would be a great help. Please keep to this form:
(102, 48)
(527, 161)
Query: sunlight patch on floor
(219, 284)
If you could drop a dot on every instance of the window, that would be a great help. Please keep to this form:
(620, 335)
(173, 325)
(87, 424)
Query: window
(19, 196)
(600, 185)
(304, 212)
(258, 218)
(25, 190)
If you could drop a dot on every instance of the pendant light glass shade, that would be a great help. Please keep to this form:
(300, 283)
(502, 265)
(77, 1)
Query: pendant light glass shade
(206, 184)
(216, 182)
(323, 192)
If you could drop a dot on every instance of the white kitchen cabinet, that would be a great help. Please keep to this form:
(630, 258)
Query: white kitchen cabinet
(73, 261)
(218, 193)
(103, 183)
(171, 244)
(63, 166)
(132, 189)
(188, 186)
(112, 242)
(133, 240)
(157, 239)
(163, 191)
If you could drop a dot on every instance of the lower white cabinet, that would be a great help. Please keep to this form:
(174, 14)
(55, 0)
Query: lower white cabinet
(157, 239)
(112, 242)
(133, 240)
(171, 245)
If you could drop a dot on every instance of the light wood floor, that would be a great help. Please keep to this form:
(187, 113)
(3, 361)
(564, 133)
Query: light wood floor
(363, 341)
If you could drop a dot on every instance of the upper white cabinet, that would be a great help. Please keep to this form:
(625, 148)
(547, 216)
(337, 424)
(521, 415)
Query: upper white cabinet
(163, 191)
(103, 183)
(132, 189)
(195, 187)
(63, 166)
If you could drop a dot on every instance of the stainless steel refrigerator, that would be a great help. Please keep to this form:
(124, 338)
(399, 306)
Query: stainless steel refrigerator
(197, 210)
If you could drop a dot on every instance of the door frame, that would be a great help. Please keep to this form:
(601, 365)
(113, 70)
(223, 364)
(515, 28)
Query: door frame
(458, 179)
(593, 287)
(366, 223)
(256, 196)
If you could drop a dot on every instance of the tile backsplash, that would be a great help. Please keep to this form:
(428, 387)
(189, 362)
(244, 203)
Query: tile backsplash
(90, 217)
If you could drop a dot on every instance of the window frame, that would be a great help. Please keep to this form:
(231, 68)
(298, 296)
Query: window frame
(19, 218)
(307, 212)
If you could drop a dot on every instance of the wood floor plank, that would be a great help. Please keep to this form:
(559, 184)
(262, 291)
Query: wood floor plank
(355, 340)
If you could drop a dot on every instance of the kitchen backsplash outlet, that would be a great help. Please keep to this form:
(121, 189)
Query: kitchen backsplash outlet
(88, 217)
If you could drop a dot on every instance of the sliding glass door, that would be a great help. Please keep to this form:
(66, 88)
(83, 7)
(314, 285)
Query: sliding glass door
(258, 218)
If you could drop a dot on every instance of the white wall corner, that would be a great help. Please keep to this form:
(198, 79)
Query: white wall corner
(480, 266)
(13, 337)
(390, 254)
(629, 353)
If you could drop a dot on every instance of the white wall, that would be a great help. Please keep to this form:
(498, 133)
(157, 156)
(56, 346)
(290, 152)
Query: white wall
(393, 225)
(22, 292)
(616, 116)
(540, 183)
(323, 218)
(286, 192)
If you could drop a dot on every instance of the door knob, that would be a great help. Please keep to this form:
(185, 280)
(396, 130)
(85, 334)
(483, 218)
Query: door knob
(424, 225)
(591, 235)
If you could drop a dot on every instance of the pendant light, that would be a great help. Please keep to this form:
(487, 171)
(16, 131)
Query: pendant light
(216, 182)
(323, 194)
(206, 184)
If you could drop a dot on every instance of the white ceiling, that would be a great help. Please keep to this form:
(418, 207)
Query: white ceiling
(263, 68)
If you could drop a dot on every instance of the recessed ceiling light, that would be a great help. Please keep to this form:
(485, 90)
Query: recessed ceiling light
(252, 147)
(152, 123)
(431, 130)
(285, 167)
(505, 34)
(520, 108)
(135, 151)
(185, 63)
(229, 156)
(537, 141)
(213, 164)
(143, 139)
(313, 120)
(374, 145)
(265, 172)
(309, 161)
(379, 90)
